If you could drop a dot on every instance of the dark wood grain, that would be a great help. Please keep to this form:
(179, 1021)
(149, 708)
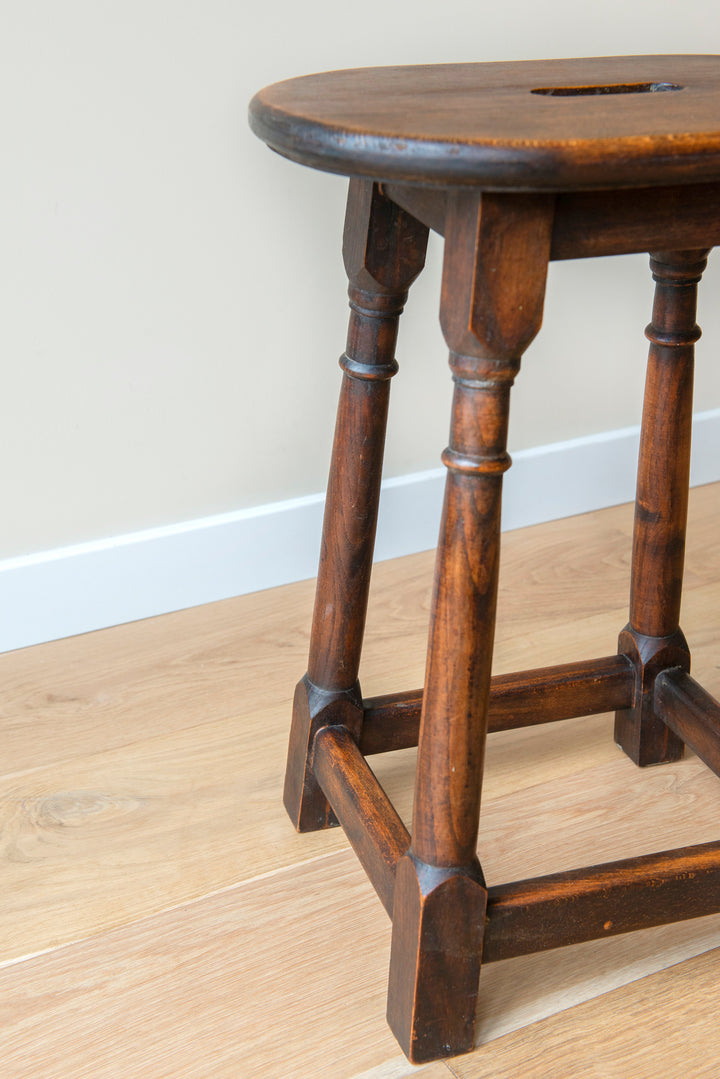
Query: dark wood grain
(378, 836)
(494, 275)
(523, 699)
(314, 708)
(595, 223)
(691, 712)
(438, 925)
(653, 638)
(591, 224)
(481, 124)
(664, 465)
(639, 731)
(515, 164)
(428, 204)
(601, 901)
(496, 257)
(384, 251)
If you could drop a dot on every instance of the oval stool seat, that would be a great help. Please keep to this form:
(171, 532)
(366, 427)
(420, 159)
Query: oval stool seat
(627, 121)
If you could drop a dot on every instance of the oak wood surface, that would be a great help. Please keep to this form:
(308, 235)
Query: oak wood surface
(661, 1025)
(396, 123)
(140, 818)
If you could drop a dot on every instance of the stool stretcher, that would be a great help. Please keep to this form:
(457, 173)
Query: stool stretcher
(524, 699)
(692, 713)
(602, 901)
(375, 831)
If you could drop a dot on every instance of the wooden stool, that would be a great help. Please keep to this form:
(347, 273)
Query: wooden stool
(515, 164)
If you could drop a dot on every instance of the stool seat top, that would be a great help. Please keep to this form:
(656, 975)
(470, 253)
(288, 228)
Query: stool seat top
(628, 121)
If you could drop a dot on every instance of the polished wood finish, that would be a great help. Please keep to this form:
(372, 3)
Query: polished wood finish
(482, 124)
(590, 224)
(515, 165)
(489, 314)
(691, 713)
(384, 251)
(524, 699)
(653, 638)
(378, 836)
(664, 468)
(428, 204)
(596, 223)
(313, 708)
(438, 925)
(601, 901)
(488, 318)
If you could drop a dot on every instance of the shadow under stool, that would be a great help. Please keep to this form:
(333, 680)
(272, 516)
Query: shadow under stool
(514, 164)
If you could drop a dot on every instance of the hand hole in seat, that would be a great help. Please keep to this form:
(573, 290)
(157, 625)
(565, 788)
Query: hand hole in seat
(616, 88)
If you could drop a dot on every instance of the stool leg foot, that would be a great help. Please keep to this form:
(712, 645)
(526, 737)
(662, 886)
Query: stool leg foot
(384, 250)
(638, 730)
(653, 639)
(438, 923)
(314, 708)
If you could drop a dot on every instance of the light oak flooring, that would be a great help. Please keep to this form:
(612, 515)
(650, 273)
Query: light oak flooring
(159, 916)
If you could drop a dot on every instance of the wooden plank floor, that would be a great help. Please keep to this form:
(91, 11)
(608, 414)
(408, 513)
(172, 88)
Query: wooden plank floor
(159, 916)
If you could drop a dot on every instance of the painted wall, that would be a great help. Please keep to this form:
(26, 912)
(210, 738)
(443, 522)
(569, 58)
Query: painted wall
(173, 301)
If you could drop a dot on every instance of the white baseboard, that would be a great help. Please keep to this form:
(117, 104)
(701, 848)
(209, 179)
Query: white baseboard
(93, 585)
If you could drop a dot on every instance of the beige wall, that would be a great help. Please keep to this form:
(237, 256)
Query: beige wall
(172, 294)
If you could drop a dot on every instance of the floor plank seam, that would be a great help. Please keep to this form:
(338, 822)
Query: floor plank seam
(159, 737)
(194, 901)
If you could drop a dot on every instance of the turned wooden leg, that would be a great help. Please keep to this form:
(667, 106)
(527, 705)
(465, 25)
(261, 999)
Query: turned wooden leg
(653, 639)
(384, 250)
(496, 254)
